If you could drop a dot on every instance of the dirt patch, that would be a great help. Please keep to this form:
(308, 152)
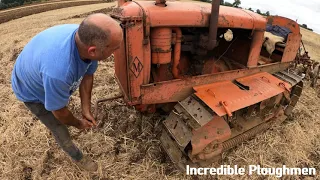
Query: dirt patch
(104, 10)
(15, 53)
(27, 171)
(19, 12)
(126, 144)
(46, 164)
(311, 41)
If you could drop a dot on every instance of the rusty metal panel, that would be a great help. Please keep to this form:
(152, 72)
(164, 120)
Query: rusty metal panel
(198, 15)
(127, 11)
(227, 97)
(179, 89)
(255, 49)
(146, 62)
(292, 47)
(284, 22)
(120, 64)
(217, 130)
(135, 58)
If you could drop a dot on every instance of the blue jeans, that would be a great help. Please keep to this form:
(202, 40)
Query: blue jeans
(59, 130)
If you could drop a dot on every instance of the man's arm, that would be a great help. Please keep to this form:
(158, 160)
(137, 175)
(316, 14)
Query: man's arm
(56, 98)
(67, 118)
(85, 95)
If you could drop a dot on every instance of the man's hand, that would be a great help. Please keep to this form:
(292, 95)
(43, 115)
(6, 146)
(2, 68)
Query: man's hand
(67, 118)
(89, 117)
(84, 124)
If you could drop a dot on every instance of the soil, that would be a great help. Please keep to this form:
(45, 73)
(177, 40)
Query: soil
(312, 42)
(10, 14)
(126, 144)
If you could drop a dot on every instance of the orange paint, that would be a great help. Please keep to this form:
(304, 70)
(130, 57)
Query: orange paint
(161, 45)
(293, 44)
(170, 52)
(215, 130)
(177, 51)
(190, 14)
(148, 39)
(229, 97)
(135, 60)
(284, 22)
(256, 45)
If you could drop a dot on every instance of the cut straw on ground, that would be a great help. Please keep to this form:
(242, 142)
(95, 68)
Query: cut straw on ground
(127, 146)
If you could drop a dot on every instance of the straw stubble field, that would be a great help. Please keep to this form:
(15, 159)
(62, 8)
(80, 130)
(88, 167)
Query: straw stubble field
(126, 144)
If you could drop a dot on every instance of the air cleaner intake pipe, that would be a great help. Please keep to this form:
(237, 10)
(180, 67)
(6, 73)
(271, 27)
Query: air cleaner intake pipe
(121, 2)
(213, 26)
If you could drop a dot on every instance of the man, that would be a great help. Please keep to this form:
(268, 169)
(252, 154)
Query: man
(53, 65)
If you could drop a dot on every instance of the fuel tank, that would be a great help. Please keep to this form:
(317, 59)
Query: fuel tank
(187, 14)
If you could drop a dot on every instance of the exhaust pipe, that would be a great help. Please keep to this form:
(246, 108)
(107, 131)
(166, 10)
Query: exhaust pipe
(213, 28)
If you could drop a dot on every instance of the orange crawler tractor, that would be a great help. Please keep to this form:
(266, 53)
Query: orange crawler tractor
(214, 69)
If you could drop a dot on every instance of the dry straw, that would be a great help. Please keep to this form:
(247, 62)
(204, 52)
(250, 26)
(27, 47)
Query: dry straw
(126, 146)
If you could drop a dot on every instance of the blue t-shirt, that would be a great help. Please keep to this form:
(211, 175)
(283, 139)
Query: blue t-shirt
(49, 68)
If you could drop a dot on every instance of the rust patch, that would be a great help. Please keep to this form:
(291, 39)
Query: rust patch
(177, 90)
(117, 11)
(223, 20)
(291, 24)
(202, 10)
(160, 50)
(216, 130)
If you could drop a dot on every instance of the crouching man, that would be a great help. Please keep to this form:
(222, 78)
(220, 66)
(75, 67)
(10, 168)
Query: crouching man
(53, 65)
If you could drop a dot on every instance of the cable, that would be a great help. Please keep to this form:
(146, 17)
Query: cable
(226, 50)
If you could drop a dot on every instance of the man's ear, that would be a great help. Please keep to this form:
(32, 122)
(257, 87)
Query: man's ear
(92, 51)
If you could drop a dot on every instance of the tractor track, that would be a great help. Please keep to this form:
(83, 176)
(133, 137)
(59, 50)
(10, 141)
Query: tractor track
(19, 12)
(190, 116)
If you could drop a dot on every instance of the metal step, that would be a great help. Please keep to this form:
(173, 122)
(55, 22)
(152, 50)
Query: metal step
(289, 77)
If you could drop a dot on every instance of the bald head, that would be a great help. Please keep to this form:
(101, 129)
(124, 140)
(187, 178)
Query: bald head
(100, 30)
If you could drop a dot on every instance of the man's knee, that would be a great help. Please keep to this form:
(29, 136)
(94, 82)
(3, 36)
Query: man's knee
(46, 117)
(37, 109)
(66, 143)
